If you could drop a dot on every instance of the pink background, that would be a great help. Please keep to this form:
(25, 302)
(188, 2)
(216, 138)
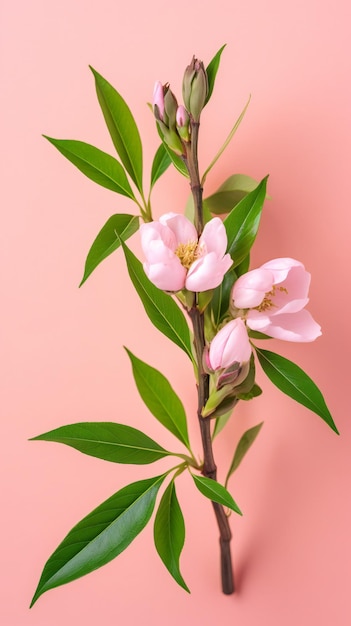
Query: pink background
(63, 359)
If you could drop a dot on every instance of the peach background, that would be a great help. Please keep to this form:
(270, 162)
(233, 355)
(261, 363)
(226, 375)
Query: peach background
(63, 359)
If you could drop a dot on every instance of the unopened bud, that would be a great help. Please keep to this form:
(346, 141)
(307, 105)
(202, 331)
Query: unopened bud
(158, 101)
(182, 120)
(195, 88)
(171, 106)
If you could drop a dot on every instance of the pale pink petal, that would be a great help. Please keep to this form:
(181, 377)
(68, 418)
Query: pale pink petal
(158, 98)
(230, 345)
(184, 231)
(207, 272)
(250, 288)
(281, 267)
(298, 326)
(292, 295)
(166, 276)
(156, 231)
(214, 237)
(157, 252)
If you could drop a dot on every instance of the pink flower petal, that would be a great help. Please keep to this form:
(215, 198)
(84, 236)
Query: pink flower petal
(230, 345)
(281, 267)
(166, 276)
(207, 272)
(183, 230)
(298, 326)
(250, 288)
(214, 237)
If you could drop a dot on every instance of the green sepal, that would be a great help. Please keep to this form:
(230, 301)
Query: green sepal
(243, 222)
(160, 398)
(100, 167)
(242, 448)
(122, 128)
(176, 160)
(102, 535)
(249, 395)
(109, 441)
(215, 492)
(162, 311)
(117, 227)
(169, 533)
(294, 382)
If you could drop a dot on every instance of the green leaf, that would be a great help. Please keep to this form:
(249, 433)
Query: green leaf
(221, 297)
(169, 533)
(293, 381)
(159, 306)
(243, 446)
(226, 143)
(100, 167)
(215, 492)
(122, 128)
(243, 222)
(160, 398)
(109, 441)
(249, 395)
(221, 421)
(176, 160)
(107, 240)
(102, 535)
(212, 70)
(234, 189)
(160, 164)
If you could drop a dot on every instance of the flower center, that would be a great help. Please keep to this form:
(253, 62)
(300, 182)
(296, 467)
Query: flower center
(267, 302)
(187, 253)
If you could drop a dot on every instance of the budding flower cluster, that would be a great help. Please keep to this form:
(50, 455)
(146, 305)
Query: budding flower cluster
(175, 121)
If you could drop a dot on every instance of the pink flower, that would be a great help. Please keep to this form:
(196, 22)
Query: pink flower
(230, 345)
(176, 258)
(276, 294)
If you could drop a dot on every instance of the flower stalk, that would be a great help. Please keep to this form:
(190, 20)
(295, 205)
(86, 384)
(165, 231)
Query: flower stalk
(209, 468)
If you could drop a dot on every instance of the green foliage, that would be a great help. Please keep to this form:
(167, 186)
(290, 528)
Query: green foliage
(169, 533)
(293, 381)
(108, 441)
(242, 223)
(161, 162)
(102, 535)
(117, 227)
(122, 128)
(159, 306)
(229, 194)
(100, 167)
(243, 446)
(160, 398)
(215, 492)
(221, 297)
(211, 71)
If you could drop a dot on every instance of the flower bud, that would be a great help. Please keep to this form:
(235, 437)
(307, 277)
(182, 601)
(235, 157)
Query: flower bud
(171, 106)
(182, 121)
(231, 345)
(158, 101)
(195, 88)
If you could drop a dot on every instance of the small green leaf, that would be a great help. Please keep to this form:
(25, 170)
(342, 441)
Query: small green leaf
(243, 222)
(122, 128)
(102, 535)
(249, 395)
(226, 143)
(234, 189)
(169, 533)
(212, 70)
(221, 422)
(160, 164)
(255, 334)
(107, 242)
(109, 441)
(176, 160)
(221, 297)
(243, 446)
(293, 381)
(97, 165)
(215, 492)
(159, 306)
(160, 398)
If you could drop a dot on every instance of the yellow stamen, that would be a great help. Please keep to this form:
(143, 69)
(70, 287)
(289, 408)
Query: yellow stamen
(187, 253)
(267, 302)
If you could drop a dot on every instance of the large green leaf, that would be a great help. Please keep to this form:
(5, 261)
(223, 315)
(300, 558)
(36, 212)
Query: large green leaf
(229, 194)
(243, 222)
(160, 398)
(243, 446)
(215, 492)
(159, 306)
(102, 535)
(109, 441)
(107, 240)
(122, 127)
(97, 165)
(293, 381)
(211, 71)
(161, 162)
(169, 533)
